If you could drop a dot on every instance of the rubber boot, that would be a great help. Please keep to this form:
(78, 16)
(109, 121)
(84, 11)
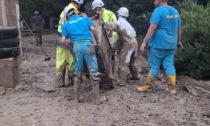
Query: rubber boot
(60, 77)
(96, 93)
(77, 93)
(149, 82)
(70, 80)
(134, 73)
(121, 78)
(172, 84)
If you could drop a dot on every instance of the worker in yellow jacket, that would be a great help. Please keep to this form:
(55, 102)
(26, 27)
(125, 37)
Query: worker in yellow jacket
(64, 58)
(106, 16)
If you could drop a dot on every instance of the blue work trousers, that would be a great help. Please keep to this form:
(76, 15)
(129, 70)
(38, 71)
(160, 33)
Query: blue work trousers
(164, 57)
(83, 52)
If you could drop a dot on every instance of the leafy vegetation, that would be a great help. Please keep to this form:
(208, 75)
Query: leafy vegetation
(194, 60)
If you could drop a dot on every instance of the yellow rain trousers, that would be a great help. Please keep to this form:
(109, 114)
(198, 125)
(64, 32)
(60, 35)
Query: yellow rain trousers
(64, 60)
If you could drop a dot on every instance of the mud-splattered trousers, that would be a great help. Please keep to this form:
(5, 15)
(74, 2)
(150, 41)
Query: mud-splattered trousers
(127, 58)
(84, 53)
(128, 48)
(64, 60)
(64, 57)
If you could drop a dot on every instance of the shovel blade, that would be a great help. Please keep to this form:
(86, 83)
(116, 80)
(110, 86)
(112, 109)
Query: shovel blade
(47, 59)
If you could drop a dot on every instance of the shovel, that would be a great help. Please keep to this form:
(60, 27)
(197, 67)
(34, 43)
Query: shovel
(47, 58)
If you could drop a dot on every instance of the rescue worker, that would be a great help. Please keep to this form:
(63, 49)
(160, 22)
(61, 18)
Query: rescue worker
(128, 46)
(106, 16)
(64, 58)
(163, 35)
(37, 24)
(78, 29)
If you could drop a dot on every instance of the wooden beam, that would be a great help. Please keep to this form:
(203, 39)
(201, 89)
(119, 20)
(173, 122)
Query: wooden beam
(4, 14)
(1, 18)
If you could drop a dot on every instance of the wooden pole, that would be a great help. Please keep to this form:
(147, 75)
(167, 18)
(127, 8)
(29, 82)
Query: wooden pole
(4, 15)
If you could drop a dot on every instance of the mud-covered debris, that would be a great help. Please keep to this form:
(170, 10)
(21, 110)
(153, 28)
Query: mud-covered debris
(2, 91)
(46, 88)
(206, 115)
(190, 89)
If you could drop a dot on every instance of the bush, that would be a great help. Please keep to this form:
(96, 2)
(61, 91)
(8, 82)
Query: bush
(194, 59)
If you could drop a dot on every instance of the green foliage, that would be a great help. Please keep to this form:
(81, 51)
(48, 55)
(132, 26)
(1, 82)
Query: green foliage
(203, 2)
(139, 10)
(47, 8)
(194, 60)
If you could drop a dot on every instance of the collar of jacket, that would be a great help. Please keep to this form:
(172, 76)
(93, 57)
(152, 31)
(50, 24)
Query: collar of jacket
(76, 10)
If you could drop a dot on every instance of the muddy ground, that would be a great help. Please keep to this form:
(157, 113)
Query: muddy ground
(29, 105)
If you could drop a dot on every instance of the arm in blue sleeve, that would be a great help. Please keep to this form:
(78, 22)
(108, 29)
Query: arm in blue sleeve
(89, 23)
(65, 31)
(155, 18)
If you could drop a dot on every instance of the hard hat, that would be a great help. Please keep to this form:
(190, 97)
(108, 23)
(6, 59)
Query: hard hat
(78, 1)
(68, 11)
(97, 3)
(36, 12)
(123, 11)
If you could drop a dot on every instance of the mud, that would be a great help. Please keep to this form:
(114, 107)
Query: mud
(29, 105)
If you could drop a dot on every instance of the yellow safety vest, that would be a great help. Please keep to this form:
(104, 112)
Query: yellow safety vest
(62, 20)
(109, 16)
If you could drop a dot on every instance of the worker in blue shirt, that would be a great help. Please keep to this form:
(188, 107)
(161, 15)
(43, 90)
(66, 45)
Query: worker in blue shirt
(79, 30)
(163, 35)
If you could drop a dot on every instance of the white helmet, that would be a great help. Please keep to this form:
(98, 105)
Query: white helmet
(123, 11)
(79, 1)
(97, 3)
(36, 12)
(68, 11)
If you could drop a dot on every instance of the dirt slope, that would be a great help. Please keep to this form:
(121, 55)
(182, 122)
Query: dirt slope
(29, 105)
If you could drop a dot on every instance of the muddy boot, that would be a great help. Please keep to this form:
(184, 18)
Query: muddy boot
(70, 81)
(149, 82)
(121, 83)
(135, 77)
(60, 77)
(134, 73)
(77, 93)
(96, 93)
(121, 76)
(172, 84)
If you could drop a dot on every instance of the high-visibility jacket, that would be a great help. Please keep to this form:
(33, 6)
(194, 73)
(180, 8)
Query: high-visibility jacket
(62, 20)
(109, 16)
